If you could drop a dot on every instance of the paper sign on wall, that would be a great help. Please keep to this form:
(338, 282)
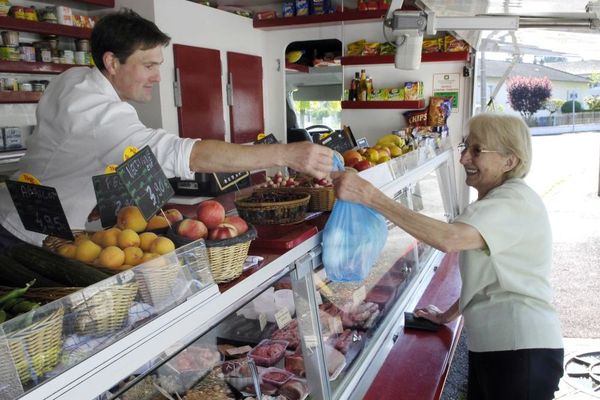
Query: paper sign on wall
(447, 85)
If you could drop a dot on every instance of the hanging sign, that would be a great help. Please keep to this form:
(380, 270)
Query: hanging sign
(40, 209)
(145, 181)
(447, 85)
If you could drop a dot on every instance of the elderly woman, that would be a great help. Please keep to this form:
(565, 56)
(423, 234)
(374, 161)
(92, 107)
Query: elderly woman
(505, 245)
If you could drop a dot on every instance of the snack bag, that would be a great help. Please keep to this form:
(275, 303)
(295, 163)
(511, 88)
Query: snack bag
(356, 48)
(413, 90)
(439, 110)
(452, 44)
(416, 117)
(353, 238)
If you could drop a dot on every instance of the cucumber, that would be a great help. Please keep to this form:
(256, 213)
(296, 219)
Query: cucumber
(15, 293)
(23, 307)
(52, 266)
(2, 316)
(15, 274)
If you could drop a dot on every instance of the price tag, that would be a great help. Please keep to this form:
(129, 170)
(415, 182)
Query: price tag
(283, 317)
(39, 209)
(266, 139)
(359, 295)
(335, 325)
(262, 320)
(226, 179)
(362, 142)
(28, 178)
(239, 350)
(146, 182)
(129, 152)
(310, 341)
(111, 196)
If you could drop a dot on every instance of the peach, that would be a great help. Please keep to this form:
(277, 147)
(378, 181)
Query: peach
(240, 225)
(222, 231)
(192, 229)
(162, 245)
(80, 238)
(133, 255)
(146, 239)
(111, 257)
(211, 213)
(110, 237)
(351, 157)
(98, 237)
(87, 251)
(157, 222)
(67, 250)
(131, 218)
(128, 238)
(149, 256)
(173, 215)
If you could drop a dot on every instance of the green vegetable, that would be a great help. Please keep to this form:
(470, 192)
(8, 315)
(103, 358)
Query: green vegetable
(15, 274)
(8, 304)
(52, 266)
(15, 293)
(23, 307)
(2, 316)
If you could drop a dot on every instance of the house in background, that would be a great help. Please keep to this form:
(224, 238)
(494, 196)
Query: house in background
(582, 68)
(563, 83)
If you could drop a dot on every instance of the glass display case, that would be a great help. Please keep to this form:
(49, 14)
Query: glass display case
(284, 330)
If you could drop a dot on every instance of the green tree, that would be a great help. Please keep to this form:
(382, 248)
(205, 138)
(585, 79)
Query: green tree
(567, 107)
(593, 102)
(528, 95)
(553, 105)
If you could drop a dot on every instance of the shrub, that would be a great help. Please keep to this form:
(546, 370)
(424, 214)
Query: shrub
(528, 95)
(568, 106)
(593, 102)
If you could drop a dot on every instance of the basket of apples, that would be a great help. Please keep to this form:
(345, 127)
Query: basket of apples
(321, 192)
(227, 238)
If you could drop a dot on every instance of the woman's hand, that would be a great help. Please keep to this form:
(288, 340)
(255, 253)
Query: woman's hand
(431, 313)
(351, 187)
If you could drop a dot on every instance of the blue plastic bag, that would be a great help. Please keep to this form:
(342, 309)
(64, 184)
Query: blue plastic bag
(353, 238)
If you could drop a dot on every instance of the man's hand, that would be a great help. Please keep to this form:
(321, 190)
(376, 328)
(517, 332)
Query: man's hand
(309, 158)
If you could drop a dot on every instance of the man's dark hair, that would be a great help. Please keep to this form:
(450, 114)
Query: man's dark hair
(122, 33)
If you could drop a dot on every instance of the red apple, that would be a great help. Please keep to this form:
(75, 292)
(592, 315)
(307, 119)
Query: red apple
(222, 231)
(173, 215)
(362, 165)
(211, 212)
(238, 223)
(192, 229)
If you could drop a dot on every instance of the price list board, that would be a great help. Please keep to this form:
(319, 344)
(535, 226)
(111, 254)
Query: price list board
(269, 139)
(111, 196)
(145, 182)
(339, 141)
(40, 209)
(225, 180)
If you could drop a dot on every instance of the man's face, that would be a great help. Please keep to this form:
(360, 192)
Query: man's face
(134, 79)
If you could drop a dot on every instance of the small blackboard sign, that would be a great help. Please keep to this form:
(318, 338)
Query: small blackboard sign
(269, 139)
(40, 209)
(339, 141)
(111, 196)
(226, 179)
(145, 181)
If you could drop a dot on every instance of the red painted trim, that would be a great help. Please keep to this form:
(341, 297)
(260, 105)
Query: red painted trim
(44, 28)
(389, 104)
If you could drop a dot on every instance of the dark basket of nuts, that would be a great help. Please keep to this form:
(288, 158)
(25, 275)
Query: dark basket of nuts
(273, 207)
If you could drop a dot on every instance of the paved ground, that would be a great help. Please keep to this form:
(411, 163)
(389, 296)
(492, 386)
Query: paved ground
(565, 173)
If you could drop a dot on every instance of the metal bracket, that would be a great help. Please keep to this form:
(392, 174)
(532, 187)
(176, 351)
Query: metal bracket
(177, 89)
(229, 90)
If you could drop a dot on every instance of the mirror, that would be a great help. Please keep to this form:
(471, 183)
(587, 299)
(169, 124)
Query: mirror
(314, 89)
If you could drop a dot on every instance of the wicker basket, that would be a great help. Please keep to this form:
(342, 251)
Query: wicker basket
(227, 256)
(273, 212)
(105, 311)
(45, 294)
(321, 199)
(157, 279)
(36, 348)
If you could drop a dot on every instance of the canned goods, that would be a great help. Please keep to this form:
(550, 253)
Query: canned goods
(82, 45)
(27, 53)
(9, 54)
(10, 38)
(17, 12)
(25, 87)
(43, 54)
(11, 84)
(30, 14)
(38, 86)
(80, 57)
(69, 56)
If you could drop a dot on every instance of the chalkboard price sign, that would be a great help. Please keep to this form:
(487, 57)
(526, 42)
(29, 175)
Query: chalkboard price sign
(227, 179)
(145, 182)
(269, 139)
(39, 209)
(111, 196)
(339, 141)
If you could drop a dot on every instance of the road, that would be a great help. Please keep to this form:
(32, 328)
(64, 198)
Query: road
(565, 173)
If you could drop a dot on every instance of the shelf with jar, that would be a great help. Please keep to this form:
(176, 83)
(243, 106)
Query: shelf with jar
(334, 18)
(389, 58)
(35, 67)
(44, 28)
(383, 104)
(20, 97)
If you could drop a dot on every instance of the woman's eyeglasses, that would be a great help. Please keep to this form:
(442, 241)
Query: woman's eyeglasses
(474, 149)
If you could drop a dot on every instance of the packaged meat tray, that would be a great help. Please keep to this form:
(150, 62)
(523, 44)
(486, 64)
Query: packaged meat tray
(381, 296)
(275, 376)
(268, 352)
(239, 331)
(294, 389)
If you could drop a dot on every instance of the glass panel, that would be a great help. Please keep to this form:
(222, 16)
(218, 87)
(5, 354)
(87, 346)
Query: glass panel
(256, 348)
(49, 340)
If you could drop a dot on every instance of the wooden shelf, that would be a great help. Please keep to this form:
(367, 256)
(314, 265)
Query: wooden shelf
(35, 67)
(333, 18)
(19, 97)
(44, 28)
(389, 59)
(389, 104)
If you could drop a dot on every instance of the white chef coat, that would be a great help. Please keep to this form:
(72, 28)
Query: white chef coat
(506, 296)
(82, 127)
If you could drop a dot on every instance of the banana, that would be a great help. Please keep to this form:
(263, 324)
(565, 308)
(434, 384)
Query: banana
(391, 139)
(293, 56)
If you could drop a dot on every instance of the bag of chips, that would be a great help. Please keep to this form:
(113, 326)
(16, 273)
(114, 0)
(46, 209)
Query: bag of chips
(439, 110)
